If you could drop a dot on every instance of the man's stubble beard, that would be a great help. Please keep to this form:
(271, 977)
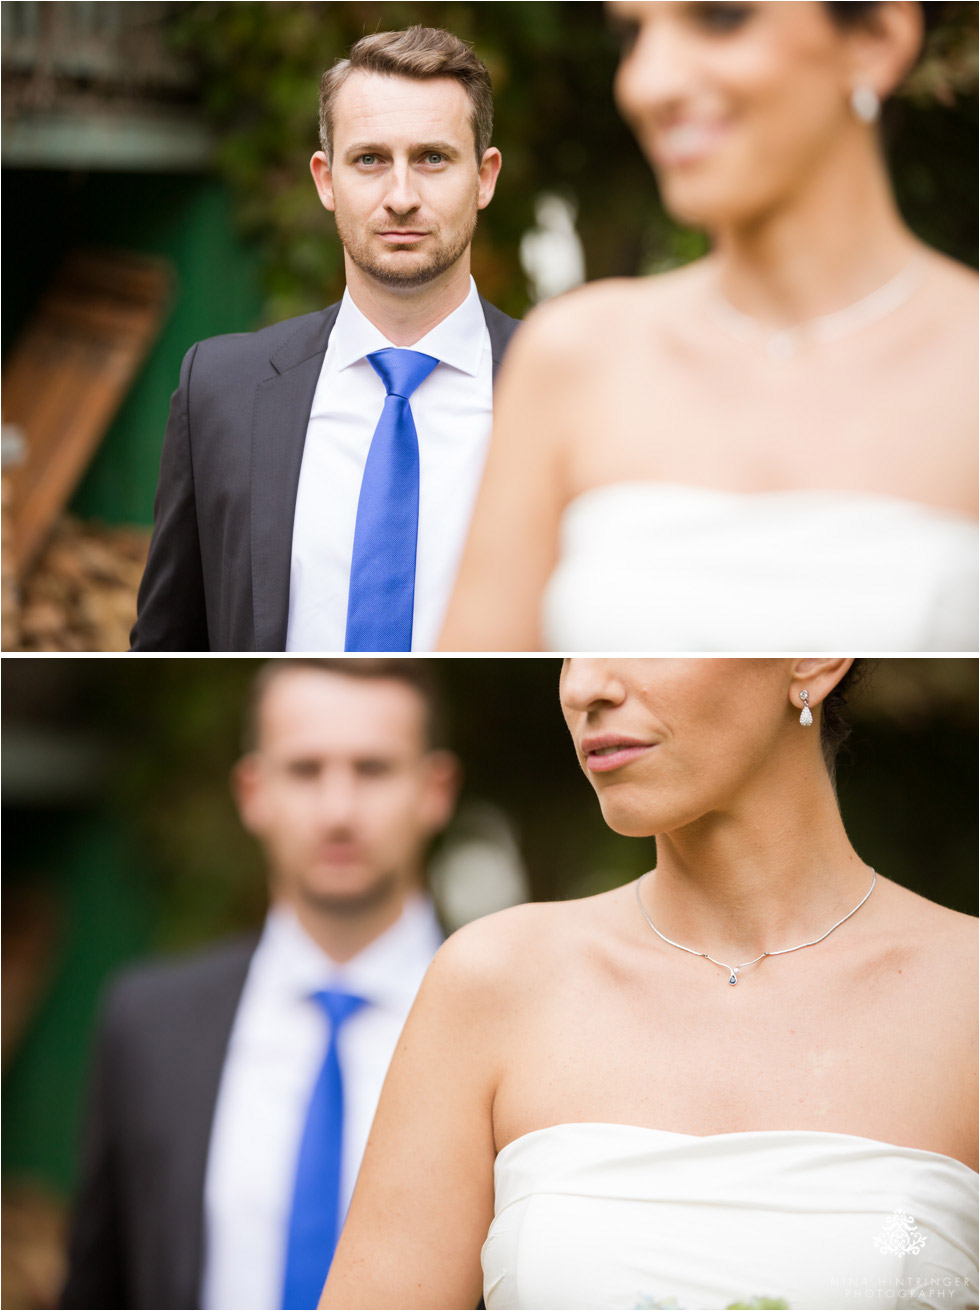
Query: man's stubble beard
(430, 267)
(385, 888)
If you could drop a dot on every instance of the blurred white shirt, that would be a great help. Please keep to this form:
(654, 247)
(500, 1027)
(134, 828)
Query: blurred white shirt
(452, 410)
(277, 1046)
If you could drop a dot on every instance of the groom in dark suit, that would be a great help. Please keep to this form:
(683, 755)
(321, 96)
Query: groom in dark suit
(199, 1186)
(318, 476)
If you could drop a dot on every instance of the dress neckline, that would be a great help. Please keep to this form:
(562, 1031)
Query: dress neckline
(743, 1134)
(819, 495)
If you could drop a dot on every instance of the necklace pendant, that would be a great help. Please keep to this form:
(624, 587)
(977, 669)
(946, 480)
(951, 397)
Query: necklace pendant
(734, 978)
(781, 346)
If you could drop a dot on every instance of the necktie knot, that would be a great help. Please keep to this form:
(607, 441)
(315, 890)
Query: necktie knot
(400, 370)
(339, 1006)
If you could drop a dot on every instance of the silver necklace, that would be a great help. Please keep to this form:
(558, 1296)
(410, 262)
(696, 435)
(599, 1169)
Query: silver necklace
(734, 969)
(783, 343)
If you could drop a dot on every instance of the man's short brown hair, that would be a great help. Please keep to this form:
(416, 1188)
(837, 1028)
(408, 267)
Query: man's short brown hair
(419, 53)
(416, 674)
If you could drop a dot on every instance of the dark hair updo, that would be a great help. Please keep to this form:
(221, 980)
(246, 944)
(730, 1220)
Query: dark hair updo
(850, 13)
(835, 728)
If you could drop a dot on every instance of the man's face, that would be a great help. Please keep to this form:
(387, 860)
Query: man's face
(404, 183)
(341, 791)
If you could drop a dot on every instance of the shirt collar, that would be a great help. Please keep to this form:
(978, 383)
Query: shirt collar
(457, 341)
(387, 972)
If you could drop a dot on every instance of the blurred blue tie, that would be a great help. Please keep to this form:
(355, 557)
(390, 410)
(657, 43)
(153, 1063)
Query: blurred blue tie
(315, 1219)
(381, 599)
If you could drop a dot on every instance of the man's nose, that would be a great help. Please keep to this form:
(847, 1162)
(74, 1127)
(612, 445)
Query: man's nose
(337, 799)
(403, 194)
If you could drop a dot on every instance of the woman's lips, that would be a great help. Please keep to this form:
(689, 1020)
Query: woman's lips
(604, 754)
(686, 143)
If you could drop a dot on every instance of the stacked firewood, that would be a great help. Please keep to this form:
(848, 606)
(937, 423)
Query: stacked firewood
(34, 1231)
(9, 610)
(81, 593)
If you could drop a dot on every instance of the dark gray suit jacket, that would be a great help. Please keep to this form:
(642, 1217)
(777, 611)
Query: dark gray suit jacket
(137, 1234)
(217, 576)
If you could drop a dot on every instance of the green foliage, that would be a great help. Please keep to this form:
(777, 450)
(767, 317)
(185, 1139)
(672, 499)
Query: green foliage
(552, 64)
(931, 136)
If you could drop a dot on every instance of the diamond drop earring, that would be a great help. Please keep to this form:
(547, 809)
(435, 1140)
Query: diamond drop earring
(806, 718)
(865, 104)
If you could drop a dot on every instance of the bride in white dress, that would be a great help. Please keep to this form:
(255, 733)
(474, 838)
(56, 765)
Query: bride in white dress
(775, 446)
(613, 1104)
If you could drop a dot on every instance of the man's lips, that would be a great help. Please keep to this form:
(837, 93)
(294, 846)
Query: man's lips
(339, 853)
(611, 751)
(402, 236)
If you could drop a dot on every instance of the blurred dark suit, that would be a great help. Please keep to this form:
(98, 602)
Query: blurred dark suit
(137, 1239)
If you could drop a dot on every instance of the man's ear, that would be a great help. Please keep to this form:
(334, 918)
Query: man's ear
(443, 781)
(246, 790)
(323, 179)
(489, 172)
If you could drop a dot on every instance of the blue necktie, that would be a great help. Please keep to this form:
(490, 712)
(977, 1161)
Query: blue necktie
(382, 576)
(315, 1219)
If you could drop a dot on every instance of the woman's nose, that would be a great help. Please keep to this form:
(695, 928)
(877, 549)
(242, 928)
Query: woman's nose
(588, 683)
(656, 75)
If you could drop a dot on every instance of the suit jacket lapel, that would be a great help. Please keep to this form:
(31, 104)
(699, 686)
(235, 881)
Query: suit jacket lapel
(501, 328)
(282, 413)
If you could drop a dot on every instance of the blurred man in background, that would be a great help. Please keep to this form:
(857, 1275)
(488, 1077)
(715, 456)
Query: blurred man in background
(233, 1092)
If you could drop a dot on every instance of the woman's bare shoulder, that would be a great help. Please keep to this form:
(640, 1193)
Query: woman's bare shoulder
(512, 948)
(493, 941)
(943, 940)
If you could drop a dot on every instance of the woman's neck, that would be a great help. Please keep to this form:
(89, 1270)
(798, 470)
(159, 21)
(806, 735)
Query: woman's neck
(836, 241)
(768, 874)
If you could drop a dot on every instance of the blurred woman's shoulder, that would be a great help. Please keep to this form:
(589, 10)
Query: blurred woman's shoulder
(598, 315)
(950, 290)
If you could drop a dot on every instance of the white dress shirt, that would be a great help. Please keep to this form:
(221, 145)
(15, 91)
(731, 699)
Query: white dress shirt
(277, 1046)
(452, 410)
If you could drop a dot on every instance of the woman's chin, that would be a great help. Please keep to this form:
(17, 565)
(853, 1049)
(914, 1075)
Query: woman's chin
(708, 204)
(630, 823)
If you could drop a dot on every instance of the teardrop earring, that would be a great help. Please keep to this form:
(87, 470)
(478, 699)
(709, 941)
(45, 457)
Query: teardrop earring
(806, 718)
(865, 104)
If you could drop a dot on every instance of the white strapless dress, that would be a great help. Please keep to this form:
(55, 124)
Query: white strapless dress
(612, 1215)
(660, 567)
